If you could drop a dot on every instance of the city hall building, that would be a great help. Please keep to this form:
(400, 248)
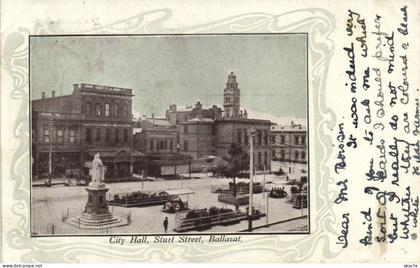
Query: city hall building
(205, 133)
(69, 130)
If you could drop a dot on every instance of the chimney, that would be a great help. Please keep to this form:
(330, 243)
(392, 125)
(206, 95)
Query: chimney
(53, 93)
(43, 95)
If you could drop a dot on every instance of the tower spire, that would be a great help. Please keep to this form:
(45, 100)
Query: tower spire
(231, 102)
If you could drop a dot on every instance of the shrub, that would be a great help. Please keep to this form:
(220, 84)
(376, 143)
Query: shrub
(213, 211)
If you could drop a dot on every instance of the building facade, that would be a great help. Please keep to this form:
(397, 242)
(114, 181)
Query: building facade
(70, 129)
(210, 132)
(158, 140)
(235, 130)
(289, 143)
(176, 115)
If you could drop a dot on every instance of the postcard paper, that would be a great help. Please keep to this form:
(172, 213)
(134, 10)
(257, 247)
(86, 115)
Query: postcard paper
(223, 131)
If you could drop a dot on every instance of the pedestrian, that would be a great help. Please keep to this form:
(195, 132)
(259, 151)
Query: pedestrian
(165, 224)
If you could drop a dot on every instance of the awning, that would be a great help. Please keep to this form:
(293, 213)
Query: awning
(179, 192)
(115, 153)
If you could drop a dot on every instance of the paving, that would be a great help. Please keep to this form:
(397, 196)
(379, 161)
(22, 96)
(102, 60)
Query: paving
(50, 203)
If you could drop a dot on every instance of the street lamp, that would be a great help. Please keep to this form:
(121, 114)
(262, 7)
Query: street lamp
(251, 136)
(176, 161)
(50, 136)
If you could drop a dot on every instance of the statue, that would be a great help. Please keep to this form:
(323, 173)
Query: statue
(98, 171)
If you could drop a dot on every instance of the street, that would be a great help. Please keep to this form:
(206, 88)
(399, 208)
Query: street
(48, 204)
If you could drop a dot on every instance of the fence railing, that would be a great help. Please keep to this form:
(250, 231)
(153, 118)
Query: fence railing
(53, 230)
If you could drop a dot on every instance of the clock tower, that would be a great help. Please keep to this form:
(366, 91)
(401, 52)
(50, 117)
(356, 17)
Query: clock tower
(231, 101)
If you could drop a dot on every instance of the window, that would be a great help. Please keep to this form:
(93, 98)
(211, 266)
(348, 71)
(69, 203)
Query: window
(259, 158)
(117, 135)
(227, 99)
(107, 135)
(185, 129)
(282, 154)
(151, 144)
(303, 155)
(88, 111)
(186, 117)
(98, 134)
(116, 110)
(72, 136)
(165, 145)
(107, 109)
(259, 137)
(125, 110)
(125, 135)
(60, 135)
(296, 140)
(88, 135)
(171, 145)
(46, 134)
(303, 140)
(265, 158)
(265, 138)
(273, 139)
(282, 139)
(98, 109)
(239, 136)
(246, 138)
(296, 155)
(185, 146)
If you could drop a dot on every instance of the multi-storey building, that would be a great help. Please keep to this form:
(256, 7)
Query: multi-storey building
(69, 130)
(176, 115)
(158, 140)
(289, 143)
(211, 133)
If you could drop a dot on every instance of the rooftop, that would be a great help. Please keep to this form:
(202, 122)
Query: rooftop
(289, 128)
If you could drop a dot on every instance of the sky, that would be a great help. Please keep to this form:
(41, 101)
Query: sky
(271, 69)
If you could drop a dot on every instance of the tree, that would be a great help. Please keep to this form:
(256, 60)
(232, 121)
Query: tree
(236, 162)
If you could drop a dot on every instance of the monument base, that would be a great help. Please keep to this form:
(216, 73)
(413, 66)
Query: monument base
(83, 223)
(96, 214)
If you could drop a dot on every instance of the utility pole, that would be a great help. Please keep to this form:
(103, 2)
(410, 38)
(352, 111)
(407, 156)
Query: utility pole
(50, 130)
(251, 176)
(176, 161)
(266, 200)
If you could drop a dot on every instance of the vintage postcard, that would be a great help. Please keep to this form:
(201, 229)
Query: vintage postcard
(161, 132)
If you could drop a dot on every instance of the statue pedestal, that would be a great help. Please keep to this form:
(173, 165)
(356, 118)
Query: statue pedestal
(96, 214)
(96, 209)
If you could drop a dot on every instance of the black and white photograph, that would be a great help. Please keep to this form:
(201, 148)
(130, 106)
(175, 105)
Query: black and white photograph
(169, 134)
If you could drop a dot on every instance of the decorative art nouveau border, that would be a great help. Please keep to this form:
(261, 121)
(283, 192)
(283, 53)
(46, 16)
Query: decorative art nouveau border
(318, 23)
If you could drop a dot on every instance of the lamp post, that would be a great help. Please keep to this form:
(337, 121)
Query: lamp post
(50, 130)
(251, 176)
(176, 160)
